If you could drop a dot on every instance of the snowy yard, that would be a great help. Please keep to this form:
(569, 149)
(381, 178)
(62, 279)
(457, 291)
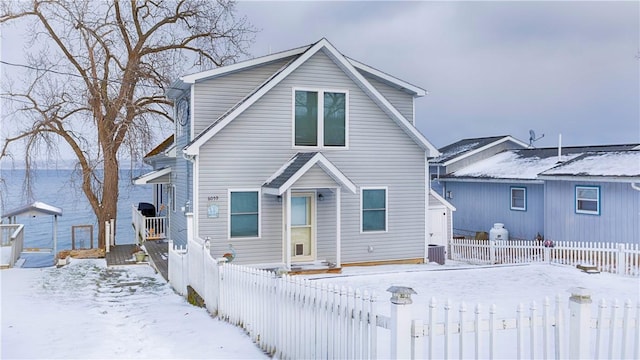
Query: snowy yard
(504, 286)
(86, 310)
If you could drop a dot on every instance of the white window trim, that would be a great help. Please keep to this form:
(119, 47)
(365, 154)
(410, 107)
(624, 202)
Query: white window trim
(386, 209)
(597, 200)
(524, 189)
(257, 190)
(320, 119)
(173, 198)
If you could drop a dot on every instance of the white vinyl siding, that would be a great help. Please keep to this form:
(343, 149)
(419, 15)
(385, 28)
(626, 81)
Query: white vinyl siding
(256, 144)
(588, 200)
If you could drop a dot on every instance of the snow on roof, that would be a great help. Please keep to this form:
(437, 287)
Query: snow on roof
(618, 163)
(511, 164)
(34, 209)
(453, 151)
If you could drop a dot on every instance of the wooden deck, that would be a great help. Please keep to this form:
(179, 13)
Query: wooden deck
(121, 255)
(157, 251)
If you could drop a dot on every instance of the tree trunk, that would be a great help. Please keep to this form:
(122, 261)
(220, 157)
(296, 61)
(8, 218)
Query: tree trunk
(109, 207)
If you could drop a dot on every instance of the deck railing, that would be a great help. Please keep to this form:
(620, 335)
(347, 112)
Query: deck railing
(147, 227)
(12, 241)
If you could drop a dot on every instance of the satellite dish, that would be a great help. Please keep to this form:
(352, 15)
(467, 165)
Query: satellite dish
(533, 138)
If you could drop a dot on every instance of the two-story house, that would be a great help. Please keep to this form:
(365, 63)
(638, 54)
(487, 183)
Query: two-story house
(300, 157)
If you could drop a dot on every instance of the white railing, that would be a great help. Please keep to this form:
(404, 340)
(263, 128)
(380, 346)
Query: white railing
(12, 243)
(148, 228)
(615, 258)
(290, 318)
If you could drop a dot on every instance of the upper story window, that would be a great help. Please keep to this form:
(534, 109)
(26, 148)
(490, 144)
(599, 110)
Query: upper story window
(519, 198)
(588, 200)
(326, 128)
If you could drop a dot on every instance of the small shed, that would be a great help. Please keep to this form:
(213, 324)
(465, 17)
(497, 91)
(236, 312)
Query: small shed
(37, 208)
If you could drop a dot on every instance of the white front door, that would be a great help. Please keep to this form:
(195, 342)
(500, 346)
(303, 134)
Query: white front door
(437, 226)
(303, 226)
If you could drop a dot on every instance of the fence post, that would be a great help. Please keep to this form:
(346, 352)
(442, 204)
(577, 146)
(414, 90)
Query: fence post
(579, 323)
(400, 321)
(107, 236)
(547, 254)
(492, 251)
(621, 260)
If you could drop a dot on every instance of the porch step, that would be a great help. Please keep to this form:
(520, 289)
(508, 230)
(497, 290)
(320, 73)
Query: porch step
(316, 267)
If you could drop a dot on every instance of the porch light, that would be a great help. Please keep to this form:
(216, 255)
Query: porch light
(279, 198)
(320, 197)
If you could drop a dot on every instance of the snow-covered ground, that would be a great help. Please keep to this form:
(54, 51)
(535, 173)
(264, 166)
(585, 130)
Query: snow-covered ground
(86, 310)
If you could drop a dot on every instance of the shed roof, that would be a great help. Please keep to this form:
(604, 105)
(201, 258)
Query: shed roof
(34, 209)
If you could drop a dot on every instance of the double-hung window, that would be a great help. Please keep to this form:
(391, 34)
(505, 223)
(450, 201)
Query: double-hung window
(588, 200)
(519, 198)
(374, 209)
(320, 118)
(244, 214)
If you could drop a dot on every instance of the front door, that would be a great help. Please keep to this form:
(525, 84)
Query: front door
(302, 226)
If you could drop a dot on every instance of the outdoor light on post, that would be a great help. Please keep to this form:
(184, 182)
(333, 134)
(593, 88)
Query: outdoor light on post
(401, 321)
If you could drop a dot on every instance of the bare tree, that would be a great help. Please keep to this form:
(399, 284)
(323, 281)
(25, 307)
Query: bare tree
(98, 72)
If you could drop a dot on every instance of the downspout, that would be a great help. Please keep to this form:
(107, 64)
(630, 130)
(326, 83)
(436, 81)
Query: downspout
(635, 186)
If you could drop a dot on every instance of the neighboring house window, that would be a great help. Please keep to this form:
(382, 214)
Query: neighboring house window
(244, 214)
(519, 198)
(588, 200)
(326, 128)
(374, 209)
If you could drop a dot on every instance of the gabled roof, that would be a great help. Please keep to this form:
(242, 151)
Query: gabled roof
(34, 209)
(610, 165)
(163, 148)
(467, 147)
(185, 82)
(297, 166)
(160, 176)
(295, 62)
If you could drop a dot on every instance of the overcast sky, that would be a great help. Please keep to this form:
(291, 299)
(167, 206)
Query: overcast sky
(491, 68)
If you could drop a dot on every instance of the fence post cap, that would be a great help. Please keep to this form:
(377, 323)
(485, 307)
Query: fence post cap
(580, 294)
(401, 294)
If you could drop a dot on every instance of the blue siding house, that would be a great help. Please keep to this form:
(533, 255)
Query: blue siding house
(594, 197)
(536, 191)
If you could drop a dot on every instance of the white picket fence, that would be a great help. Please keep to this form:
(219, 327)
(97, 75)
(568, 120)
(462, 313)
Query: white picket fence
(294, 318)
(623, 259)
